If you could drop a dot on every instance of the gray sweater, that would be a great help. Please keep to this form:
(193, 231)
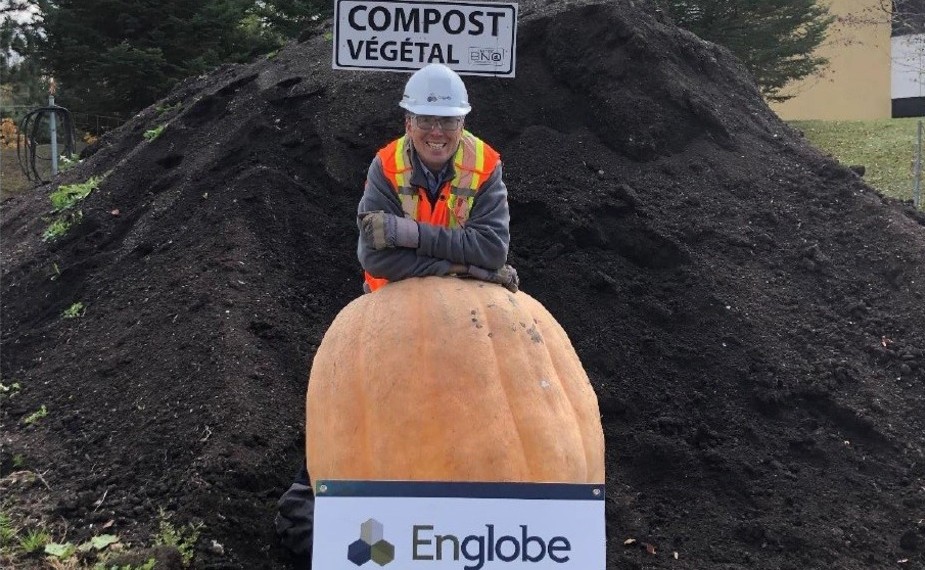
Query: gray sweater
(482, 241)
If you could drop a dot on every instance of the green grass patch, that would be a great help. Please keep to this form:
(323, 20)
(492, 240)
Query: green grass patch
(74, 311)
(64, 198)
(21, 548)
(65, 163)
(182, 538)
(152, 134)
(7, 530)
(69, 194)
(36, 416)
(34, 541)
(164, 108)
(61, 225)
(885, 147)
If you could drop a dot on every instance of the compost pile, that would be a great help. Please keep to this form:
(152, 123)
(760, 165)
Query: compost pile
(751, 314)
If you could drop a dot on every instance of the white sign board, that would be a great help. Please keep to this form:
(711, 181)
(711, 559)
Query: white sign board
(472, 38)
(908, 54)
(459, 526)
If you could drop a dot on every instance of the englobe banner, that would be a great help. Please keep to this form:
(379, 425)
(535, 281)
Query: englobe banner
(460, 526)
(472, 38)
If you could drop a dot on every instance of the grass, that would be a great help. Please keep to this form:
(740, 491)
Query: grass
(7, 532)
(69, 194)
(12, 178)
(36, 548)
(74, 311)
(36, 415)
(885, 147)
(182, 538)
(34, 541)
(152, 134)
(65, 197)
(61, 225)
(161, 109)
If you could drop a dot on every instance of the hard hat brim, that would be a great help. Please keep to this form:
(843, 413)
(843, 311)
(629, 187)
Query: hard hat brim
(436, 111)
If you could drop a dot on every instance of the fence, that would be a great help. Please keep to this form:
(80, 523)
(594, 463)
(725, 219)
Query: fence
(39, 134)
(84, 122)
(917, 179)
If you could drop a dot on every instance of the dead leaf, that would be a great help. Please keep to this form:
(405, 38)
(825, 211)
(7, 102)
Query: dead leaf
(650, 548)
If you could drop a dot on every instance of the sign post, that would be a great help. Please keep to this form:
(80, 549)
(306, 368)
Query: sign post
(53, 126)
(472, 38)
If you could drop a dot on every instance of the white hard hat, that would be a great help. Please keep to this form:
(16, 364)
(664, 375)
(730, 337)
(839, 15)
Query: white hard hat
(436, 90)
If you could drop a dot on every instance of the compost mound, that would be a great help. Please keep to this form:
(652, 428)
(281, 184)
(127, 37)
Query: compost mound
(750, 313)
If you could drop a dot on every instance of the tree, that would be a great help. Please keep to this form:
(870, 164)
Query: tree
(21, 81)
(774, 39)
(906, 16)
(289, 18)
(114, 57)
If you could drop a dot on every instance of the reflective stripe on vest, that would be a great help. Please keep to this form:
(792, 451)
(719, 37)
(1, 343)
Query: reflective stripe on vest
(474, 162)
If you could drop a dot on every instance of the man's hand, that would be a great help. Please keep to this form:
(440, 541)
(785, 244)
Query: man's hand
(506, 276)
(382, 230)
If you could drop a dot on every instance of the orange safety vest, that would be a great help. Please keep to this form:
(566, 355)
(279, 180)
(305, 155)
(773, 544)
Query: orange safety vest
(474, 163)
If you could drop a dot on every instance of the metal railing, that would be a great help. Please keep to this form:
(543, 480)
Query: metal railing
(32, 129)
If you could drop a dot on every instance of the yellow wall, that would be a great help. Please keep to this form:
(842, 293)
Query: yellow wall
(856, 85)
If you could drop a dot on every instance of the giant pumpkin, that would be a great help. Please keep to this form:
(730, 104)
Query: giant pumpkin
(447, 379)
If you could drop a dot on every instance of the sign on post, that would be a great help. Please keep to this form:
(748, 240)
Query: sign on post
(409, 525)
(472, 38)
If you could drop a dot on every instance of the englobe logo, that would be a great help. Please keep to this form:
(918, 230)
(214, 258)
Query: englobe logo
(474, 551)
(371, 545)
(492, 546)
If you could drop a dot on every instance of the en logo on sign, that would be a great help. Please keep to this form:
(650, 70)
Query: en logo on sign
(483, 56)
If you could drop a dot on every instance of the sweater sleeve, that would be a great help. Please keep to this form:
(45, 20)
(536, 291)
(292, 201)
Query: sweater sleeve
(392, 263)
(485, 237)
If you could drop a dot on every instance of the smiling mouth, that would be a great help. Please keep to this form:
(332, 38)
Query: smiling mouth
(436, 146)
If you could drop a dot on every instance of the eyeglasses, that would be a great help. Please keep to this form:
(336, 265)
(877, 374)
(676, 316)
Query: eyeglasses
(446, 124)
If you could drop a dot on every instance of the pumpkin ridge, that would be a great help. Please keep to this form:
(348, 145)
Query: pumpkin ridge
(562, 345)
(560, 385)
(512, 419)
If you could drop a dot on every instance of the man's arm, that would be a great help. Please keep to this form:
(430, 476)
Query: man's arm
(391, 263)
(486, 236)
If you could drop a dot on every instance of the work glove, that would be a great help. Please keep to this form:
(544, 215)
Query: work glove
(506, 276)
(295, 520)
(382, 230)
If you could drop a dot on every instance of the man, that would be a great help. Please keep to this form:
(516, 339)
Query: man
(434, 204)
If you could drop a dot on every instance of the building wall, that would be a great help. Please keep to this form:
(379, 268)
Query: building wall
(856, 85)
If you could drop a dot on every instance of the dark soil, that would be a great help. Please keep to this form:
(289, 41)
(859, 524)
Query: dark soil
(751, 314)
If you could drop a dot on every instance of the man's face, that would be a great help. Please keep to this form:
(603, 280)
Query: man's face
(435, 144)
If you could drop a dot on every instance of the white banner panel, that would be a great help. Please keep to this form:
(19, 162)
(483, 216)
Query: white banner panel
(908, 55)
(473, 38)
(459, 526)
